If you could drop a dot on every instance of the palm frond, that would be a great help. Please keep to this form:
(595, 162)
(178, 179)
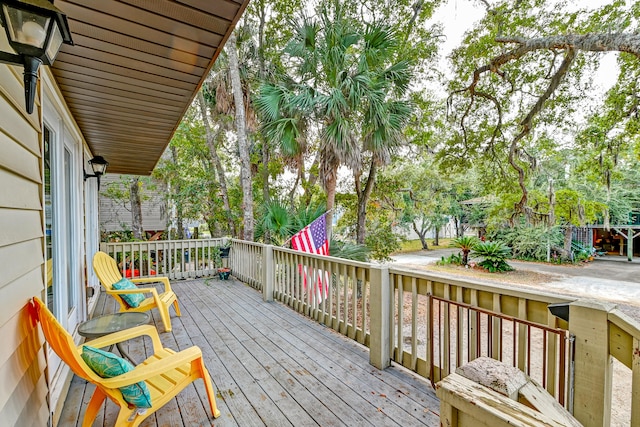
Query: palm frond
(348, 250)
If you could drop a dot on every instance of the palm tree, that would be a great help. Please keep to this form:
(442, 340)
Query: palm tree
(276, 224)
(341, 78)
(466, 245)
(386, 113)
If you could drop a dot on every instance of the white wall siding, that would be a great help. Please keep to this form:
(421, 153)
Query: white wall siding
(23, 395)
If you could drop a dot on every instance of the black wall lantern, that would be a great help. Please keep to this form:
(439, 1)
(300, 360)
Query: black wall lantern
(560, 309)
(35, 31)
(99, 166)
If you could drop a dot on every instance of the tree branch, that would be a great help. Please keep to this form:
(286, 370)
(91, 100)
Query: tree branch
(521, 205)
(593, 42)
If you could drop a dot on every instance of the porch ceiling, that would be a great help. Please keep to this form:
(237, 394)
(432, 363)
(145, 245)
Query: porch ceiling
(134, 69)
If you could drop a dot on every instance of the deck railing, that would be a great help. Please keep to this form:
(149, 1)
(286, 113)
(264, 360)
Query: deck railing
(333, 291)
(176, 259)
(461, 333)
(624, 345)
(429, 323)
(246, 262)
(440, 324)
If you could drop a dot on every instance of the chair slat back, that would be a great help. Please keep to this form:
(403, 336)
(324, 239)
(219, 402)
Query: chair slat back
(106, 269)
(62, 342)
(49, 272)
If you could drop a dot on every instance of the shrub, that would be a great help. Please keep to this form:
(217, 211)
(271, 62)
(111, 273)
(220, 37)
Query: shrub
(382, 241)
(494, 254)
(466, 245)
(349, 250)
(453, 259)
(529, 243)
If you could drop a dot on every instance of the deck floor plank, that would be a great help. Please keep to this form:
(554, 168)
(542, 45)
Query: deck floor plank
(332, 398)
(270, 366)
(358, 374)
(238, 362)
(260, 365)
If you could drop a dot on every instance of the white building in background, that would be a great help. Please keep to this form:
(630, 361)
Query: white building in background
(115, 215)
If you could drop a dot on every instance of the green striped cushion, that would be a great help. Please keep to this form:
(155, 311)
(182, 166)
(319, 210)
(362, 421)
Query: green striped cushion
(108, 365)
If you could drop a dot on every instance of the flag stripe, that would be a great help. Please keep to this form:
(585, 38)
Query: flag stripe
(313, 239)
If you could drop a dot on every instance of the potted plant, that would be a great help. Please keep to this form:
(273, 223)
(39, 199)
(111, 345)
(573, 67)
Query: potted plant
(224, 273)
(224, 251)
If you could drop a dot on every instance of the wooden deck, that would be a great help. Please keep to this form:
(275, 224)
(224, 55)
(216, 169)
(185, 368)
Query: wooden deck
(270, 366)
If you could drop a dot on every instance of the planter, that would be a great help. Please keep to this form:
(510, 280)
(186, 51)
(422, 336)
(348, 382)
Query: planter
(224, 273)
(224, 252)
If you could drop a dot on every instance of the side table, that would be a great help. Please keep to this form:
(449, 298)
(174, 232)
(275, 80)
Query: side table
(110, 323)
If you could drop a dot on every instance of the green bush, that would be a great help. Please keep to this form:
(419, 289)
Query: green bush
(349, 250)
(529, 243)
(466, 245)
(494, 254)
(453, 259)
(382, 242)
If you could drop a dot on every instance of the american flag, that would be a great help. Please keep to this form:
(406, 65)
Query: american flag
(312, 238)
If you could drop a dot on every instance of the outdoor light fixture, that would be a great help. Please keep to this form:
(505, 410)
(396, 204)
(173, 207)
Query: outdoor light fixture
(560, 309)
(35, 31)
(99, 166)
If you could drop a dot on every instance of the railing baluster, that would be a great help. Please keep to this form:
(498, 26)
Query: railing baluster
(446, 340)
(522, 348)
(496, 348)
(399, 319)
(474, 329)
(345, 301)
(544, 359)
(635, 383)
(414, 324)
(460, 328)
(430, 344)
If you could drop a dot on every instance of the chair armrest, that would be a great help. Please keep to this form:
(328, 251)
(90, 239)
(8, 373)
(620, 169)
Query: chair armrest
(125, 335)
(163, 279)
(144, 372)
(132, 291)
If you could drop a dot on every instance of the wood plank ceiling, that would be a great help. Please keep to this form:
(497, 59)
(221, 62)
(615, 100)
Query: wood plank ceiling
(134, 69)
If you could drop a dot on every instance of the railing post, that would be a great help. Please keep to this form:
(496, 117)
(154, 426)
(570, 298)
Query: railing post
(588, 320)
(267, 273)
(379, 352)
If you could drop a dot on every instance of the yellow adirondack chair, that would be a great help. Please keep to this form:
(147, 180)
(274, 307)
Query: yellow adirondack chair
(166, 373)
(107, 271)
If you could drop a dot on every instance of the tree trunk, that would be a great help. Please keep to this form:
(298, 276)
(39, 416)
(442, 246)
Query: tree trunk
(266, 149)
(465, 256)
(217, 164)
(308, 182)
(136, 208)
(436, 241)
(330, 188)
(178, 204)
(568, 237)
(552, 205)
(243, 142)
(456, 222)
(421, 235)
(363, 199)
